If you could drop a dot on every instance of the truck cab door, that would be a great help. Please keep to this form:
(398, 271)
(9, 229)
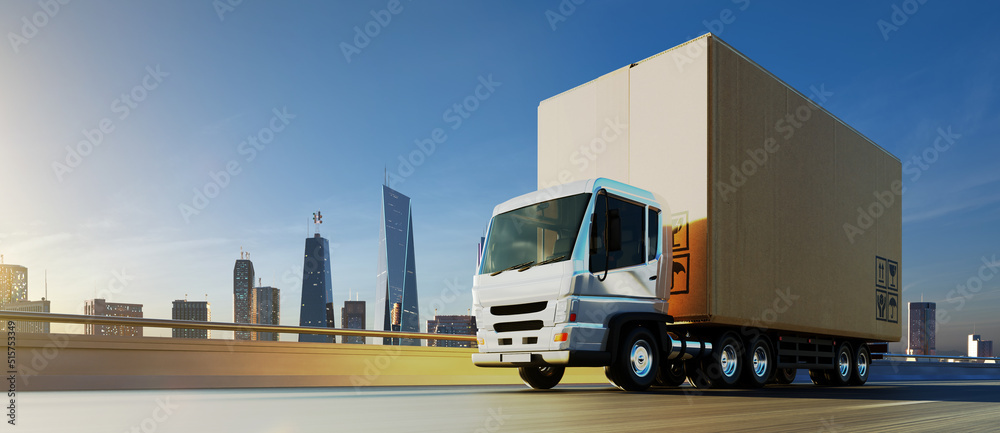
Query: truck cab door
(618, 253)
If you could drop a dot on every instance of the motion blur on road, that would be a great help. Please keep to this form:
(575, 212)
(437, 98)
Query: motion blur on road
(878, 406)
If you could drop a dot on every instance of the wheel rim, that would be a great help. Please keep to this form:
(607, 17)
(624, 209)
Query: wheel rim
(759, 362)
(862, 364)
(845, 364)
(639, 358)
(546, 371)
(727, 360)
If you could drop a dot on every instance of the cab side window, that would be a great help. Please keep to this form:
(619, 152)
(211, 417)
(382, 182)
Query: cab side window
(652, 230)
(633, 235)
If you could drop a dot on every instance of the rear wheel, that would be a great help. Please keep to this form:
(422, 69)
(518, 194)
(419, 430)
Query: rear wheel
(635, 368)
(758, 363)
(724, 367)
(818, 377)
(671, 374)
(784, 376)
(543, 377)
(843, 366)
(862, 364)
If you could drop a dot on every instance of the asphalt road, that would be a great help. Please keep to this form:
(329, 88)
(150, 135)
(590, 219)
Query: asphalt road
(889, 406)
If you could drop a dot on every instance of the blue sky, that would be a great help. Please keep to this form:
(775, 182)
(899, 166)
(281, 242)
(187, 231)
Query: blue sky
(207, 81)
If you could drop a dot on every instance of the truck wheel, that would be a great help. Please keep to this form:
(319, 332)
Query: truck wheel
(723, 367)
(697, 375)
(784, 376)
(672, 374)
(819, 378)
(543, 377)
(635, 368)
(843, 367)
(758, 363)
(862, 363)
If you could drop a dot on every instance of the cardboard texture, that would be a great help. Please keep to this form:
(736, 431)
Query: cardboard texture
(785, 217)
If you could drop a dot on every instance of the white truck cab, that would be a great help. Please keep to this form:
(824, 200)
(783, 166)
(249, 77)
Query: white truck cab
(577, 275)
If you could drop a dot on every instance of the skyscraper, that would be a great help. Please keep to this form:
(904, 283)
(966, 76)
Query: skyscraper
(922, 328)
(244, 310)
(13, 284)
(396, 281)
(458, 325)
(979, 347)
(317, 289)
(268, 303)
(352, 316)
(191, 310)
(100, 307)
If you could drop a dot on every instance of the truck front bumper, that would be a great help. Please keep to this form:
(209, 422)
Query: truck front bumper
(566, 358)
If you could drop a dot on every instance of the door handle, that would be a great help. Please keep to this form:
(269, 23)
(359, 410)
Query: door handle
(652, 278)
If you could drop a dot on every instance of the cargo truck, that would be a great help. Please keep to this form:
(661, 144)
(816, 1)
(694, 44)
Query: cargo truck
(696, 219)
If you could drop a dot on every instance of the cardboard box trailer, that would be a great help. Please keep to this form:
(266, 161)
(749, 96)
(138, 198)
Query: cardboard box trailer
(784, 217)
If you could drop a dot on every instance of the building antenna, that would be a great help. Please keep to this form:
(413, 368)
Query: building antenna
(386, 181)
(46, 285)
(241, 252)
(1, 259)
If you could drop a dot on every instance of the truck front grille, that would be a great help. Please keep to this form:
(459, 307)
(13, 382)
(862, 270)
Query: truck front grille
(527, 325)
(510, 310)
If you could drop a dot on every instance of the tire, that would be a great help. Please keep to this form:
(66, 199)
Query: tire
(637, 364)
(671, 374)
(818, 377)
(541, 377)
(758, 363)
(724, 368)
(843, 365)
(862, 364)
(696, 374)
(784, 376)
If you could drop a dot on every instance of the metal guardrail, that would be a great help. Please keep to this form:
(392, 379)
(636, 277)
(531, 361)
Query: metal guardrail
(968, 358)
(219, 326)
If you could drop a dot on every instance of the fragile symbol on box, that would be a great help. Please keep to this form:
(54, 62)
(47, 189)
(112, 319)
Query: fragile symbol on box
(892, 275)
(679, 224)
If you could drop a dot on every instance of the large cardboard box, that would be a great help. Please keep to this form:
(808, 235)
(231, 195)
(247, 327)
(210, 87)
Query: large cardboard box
(784, 217)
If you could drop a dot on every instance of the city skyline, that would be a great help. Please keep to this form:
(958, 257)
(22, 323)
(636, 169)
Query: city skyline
(174, 183)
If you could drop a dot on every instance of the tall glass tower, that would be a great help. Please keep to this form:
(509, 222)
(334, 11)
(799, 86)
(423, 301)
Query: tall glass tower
(396, 282)
(244, 310)
(317, 290)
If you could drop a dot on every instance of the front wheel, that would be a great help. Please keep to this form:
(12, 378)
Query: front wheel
(544, 377)
(637, 364)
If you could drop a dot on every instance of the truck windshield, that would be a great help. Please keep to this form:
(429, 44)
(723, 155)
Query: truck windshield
(543, 232)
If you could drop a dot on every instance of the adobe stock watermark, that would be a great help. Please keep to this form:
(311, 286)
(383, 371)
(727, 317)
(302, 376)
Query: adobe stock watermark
(364, 34)
(784, 128)
(962, 293)
(717, 26)
(455, 116)
(249, 148)
(899, 17)
(223, 7)
(883, 200)
(31, 26)
(160, 414)
(564, 9)
(375, 366)
(494, 421)
(123, 106)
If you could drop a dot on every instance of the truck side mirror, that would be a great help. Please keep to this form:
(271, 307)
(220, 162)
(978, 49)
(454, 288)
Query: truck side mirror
(614, 231)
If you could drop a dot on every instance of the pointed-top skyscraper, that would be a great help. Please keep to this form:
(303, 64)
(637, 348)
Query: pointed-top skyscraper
(396, 307)
(317, 289)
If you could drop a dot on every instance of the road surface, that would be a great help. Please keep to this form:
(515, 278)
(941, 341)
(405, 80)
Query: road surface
(888, 406)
